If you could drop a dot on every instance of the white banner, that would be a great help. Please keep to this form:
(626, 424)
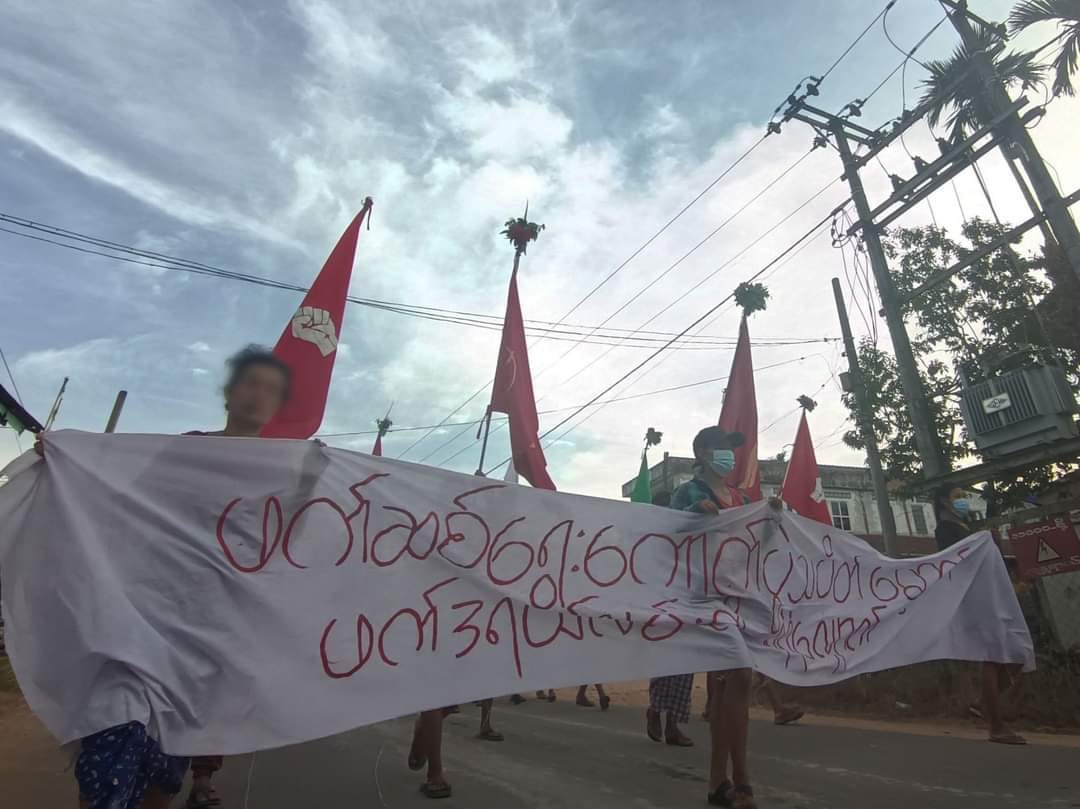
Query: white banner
(240, 594)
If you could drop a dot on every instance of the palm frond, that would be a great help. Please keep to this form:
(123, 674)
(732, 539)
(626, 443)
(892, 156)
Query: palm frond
(1065, 64)
(1031, 12)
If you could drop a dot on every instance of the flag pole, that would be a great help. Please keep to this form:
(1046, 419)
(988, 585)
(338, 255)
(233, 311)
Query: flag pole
(519, 232)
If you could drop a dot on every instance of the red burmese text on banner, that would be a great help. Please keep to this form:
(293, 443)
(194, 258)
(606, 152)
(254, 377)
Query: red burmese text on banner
(308, 345)
(739, 415)
(802, 482)
(512, 393)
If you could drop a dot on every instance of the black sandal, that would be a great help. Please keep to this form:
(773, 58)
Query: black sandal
(203, 799)
(435, 791)
(721, 796)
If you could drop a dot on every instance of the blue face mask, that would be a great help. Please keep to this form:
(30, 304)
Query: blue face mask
(962, 507)
(722, 461)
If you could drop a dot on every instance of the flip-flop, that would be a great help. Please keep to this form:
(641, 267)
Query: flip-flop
(490, 735)
(208, 800)
(435, 790)
(1008, 738)
(788, 716)
(679, 741)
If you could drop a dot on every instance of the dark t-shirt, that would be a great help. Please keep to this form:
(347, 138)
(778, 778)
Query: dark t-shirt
(949, 532)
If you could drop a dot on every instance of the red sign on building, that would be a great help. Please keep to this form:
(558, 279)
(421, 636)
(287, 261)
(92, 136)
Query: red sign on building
(1048, 546)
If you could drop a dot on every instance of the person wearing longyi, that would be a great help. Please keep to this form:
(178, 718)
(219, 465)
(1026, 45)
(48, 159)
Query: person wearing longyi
(707, 493)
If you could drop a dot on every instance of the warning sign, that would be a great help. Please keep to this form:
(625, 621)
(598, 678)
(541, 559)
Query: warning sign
(1048, 546)
(1046, 553)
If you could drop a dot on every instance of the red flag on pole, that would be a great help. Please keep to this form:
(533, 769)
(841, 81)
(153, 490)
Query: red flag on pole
(801, 488)
(377, 449)
(739, 415)
(309, 343)
(512, 393)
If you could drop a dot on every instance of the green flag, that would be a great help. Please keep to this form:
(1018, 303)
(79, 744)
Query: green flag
(642, 490)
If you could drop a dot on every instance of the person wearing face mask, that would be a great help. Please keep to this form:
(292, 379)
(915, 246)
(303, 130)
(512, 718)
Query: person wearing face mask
(952, 510)
(707, 493)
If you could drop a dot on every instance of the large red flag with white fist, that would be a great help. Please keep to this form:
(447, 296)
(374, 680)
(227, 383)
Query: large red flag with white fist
(309, 343)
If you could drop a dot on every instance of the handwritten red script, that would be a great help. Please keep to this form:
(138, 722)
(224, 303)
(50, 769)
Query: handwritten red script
(256, 593)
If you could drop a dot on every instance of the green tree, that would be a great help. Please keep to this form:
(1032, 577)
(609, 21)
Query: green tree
(1066, 15)
(953, 90)
(979, 325)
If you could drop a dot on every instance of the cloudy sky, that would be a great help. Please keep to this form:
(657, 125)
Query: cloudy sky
(247, 134)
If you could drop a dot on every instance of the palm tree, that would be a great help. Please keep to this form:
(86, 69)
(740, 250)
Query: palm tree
(954, 86)
(1066, 13)
(955, 90)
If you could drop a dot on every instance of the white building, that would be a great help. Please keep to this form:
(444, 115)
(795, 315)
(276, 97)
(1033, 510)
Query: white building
(849, 492)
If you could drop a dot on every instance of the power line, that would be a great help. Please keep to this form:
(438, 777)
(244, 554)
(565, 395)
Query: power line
(881, 14)
(689, 253)
(706, 279)
(571, 333)
(623, 264)
(697, 322)
(704, 326)
(642, 395)
(11, 376)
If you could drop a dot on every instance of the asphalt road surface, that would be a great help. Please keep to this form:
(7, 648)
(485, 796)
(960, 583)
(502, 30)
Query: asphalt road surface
(562, 755)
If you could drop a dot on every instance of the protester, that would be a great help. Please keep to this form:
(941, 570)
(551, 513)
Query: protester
(426, 749)
(257, 386)
(729, 719)
(584, 701)
(122, 767)
(951, 510)
(487, 732)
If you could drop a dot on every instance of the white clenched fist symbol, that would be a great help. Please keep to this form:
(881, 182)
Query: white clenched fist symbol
(317, 327)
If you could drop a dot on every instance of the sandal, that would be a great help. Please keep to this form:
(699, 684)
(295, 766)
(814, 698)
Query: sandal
(721, 796)
(436, 791)
(1008, 738)
(787, 716)
(206, 798)
(653, 729)
(605, 703)
(679, 740)
(742, 797)
(490, 735)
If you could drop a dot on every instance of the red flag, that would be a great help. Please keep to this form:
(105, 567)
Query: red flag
(309, 343)
(801, 488)
(512, 393)
(377, 449)
(739, 415)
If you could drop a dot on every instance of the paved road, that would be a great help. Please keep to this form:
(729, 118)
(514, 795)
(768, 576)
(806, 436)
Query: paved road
(561, 755)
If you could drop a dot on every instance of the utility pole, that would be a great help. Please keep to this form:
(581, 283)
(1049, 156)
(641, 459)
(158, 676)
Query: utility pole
(865, 421)
(925, 435)
(1020, 146)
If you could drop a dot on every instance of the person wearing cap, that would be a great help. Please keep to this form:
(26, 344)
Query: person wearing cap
(729, 720)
